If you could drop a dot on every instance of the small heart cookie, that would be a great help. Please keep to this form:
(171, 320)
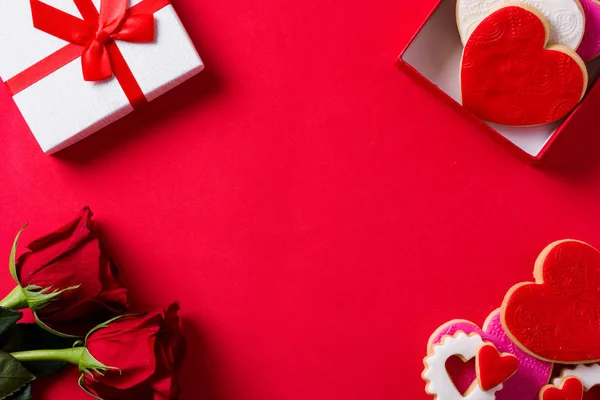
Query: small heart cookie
(531, 376)
(557, 317)
(569, 389)
(590, 45)
(494, 368)
(439, 383)
(510, 77)
(566, 18)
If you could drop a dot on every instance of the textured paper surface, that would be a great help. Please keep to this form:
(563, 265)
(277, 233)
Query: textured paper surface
(63, 108)
(436, 53)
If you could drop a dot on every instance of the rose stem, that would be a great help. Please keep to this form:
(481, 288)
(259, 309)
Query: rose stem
(15, 300)
(71, 356)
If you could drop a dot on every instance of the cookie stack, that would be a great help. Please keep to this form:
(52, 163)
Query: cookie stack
(554, 321)
(524, 61)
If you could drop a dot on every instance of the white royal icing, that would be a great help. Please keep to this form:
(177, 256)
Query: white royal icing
(589, 375)
(439, 383)
(566, 17)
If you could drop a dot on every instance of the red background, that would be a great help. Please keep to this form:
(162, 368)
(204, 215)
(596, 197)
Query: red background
(315, 210)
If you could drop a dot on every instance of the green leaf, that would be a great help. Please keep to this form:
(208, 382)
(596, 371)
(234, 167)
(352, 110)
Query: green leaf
(8, 318)
(13, 256)
(26, 337)
(22, 394)
(13, 375)
(38, 297)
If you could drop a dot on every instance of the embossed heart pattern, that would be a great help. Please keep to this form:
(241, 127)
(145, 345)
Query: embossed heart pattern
(555, 319)
(522, 60)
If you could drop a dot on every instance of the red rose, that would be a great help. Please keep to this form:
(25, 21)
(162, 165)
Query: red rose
(144, 353)
(72, 258)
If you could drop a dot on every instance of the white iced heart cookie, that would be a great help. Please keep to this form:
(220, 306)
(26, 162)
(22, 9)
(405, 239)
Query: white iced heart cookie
(439, 383)
(566, 17)
(589, 375)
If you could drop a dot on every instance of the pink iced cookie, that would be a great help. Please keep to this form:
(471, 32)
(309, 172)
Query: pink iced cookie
(532, 374)
(590, 44)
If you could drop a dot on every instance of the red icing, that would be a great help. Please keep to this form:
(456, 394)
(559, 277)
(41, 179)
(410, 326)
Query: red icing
(509, 77)
(571, 389)
(457, 367)
(494, 368)
(558, 317)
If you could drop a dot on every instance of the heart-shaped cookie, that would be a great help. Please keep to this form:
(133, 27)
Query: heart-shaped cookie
(439, 383)
(510, 77)
(531, 375)
(569, 389)
(588, 375)
(494, 368)
(590, 44)
(557, 318)
(565, 17)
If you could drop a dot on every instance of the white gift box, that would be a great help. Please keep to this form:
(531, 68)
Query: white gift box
(62, 108)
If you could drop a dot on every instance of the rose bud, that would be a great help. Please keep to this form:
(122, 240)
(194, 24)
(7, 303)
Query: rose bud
(136, 356)
(145, 355)
(67, 279)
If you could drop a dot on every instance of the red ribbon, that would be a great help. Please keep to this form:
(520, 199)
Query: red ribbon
(92, 38)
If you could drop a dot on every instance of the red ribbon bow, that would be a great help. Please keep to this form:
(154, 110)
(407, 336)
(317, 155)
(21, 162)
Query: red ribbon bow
(114, 21)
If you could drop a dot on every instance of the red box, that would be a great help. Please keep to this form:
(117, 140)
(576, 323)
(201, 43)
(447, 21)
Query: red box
(433, 57)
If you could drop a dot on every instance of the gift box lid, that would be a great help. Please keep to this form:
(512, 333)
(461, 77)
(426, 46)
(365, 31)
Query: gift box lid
(44, 73)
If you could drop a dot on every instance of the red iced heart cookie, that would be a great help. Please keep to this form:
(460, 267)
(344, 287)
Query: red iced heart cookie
(510, 77)
(557, 318)
(494, 368)
(570, 389)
